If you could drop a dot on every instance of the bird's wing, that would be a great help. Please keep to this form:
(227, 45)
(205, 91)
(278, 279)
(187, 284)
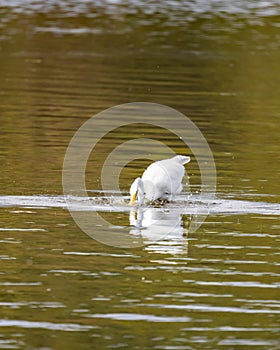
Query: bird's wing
(166, 175)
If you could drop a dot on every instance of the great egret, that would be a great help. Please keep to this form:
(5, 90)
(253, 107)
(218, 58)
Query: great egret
(161, 180)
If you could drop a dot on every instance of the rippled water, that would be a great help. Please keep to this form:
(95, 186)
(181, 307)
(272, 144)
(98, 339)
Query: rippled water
(217, 288)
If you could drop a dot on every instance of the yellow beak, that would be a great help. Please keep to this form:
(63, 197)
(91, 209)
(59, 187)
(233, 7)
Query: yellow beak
(132, 199)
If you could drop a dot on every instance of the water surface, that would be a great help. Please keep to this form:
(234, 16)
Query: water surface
(216, 288)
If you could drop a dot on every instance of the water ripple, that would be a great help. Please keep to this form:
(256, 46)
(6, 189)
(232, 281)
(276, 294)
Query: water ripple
(195, 8)
(20, 283)
(183, 205)
(22, 229)
(114, 255)
(69, 327)
(236, 284)
(140, 317)
(210, 308)
(32, 304)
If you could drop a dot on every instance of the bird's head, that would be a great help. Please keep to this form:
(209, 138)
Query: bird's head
(137, 191)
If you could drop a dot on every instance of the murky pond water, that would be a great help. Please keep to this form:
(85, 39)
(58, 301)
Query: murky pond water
(216, 288)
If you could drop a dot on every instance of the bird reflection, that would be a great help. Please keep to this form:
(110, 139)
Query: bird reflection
(156, 224)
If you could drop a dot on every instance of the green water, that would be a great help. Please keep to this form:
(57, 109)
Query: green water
(62, 62)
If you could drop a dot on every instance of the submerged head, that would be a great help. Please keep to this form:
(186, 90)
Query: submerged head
(137, 191)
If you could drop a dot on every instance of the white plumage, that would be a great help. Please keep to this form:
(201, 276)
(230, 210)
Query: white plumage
(161, 180)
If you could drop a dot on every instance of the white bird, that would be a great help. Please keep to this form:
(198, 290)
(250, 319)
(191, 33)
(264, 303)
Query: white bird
(161, 180)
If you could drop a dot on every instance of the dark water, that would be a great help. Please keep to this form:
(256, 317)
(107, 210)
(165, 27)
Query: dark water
(218, 63)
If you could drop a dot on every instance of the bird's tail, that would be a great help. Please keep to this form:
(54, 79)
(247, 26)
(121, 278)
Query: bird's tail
(182, 159)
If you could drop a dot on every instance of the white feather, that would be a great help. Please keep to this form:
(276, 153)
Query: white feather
(161, 180)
